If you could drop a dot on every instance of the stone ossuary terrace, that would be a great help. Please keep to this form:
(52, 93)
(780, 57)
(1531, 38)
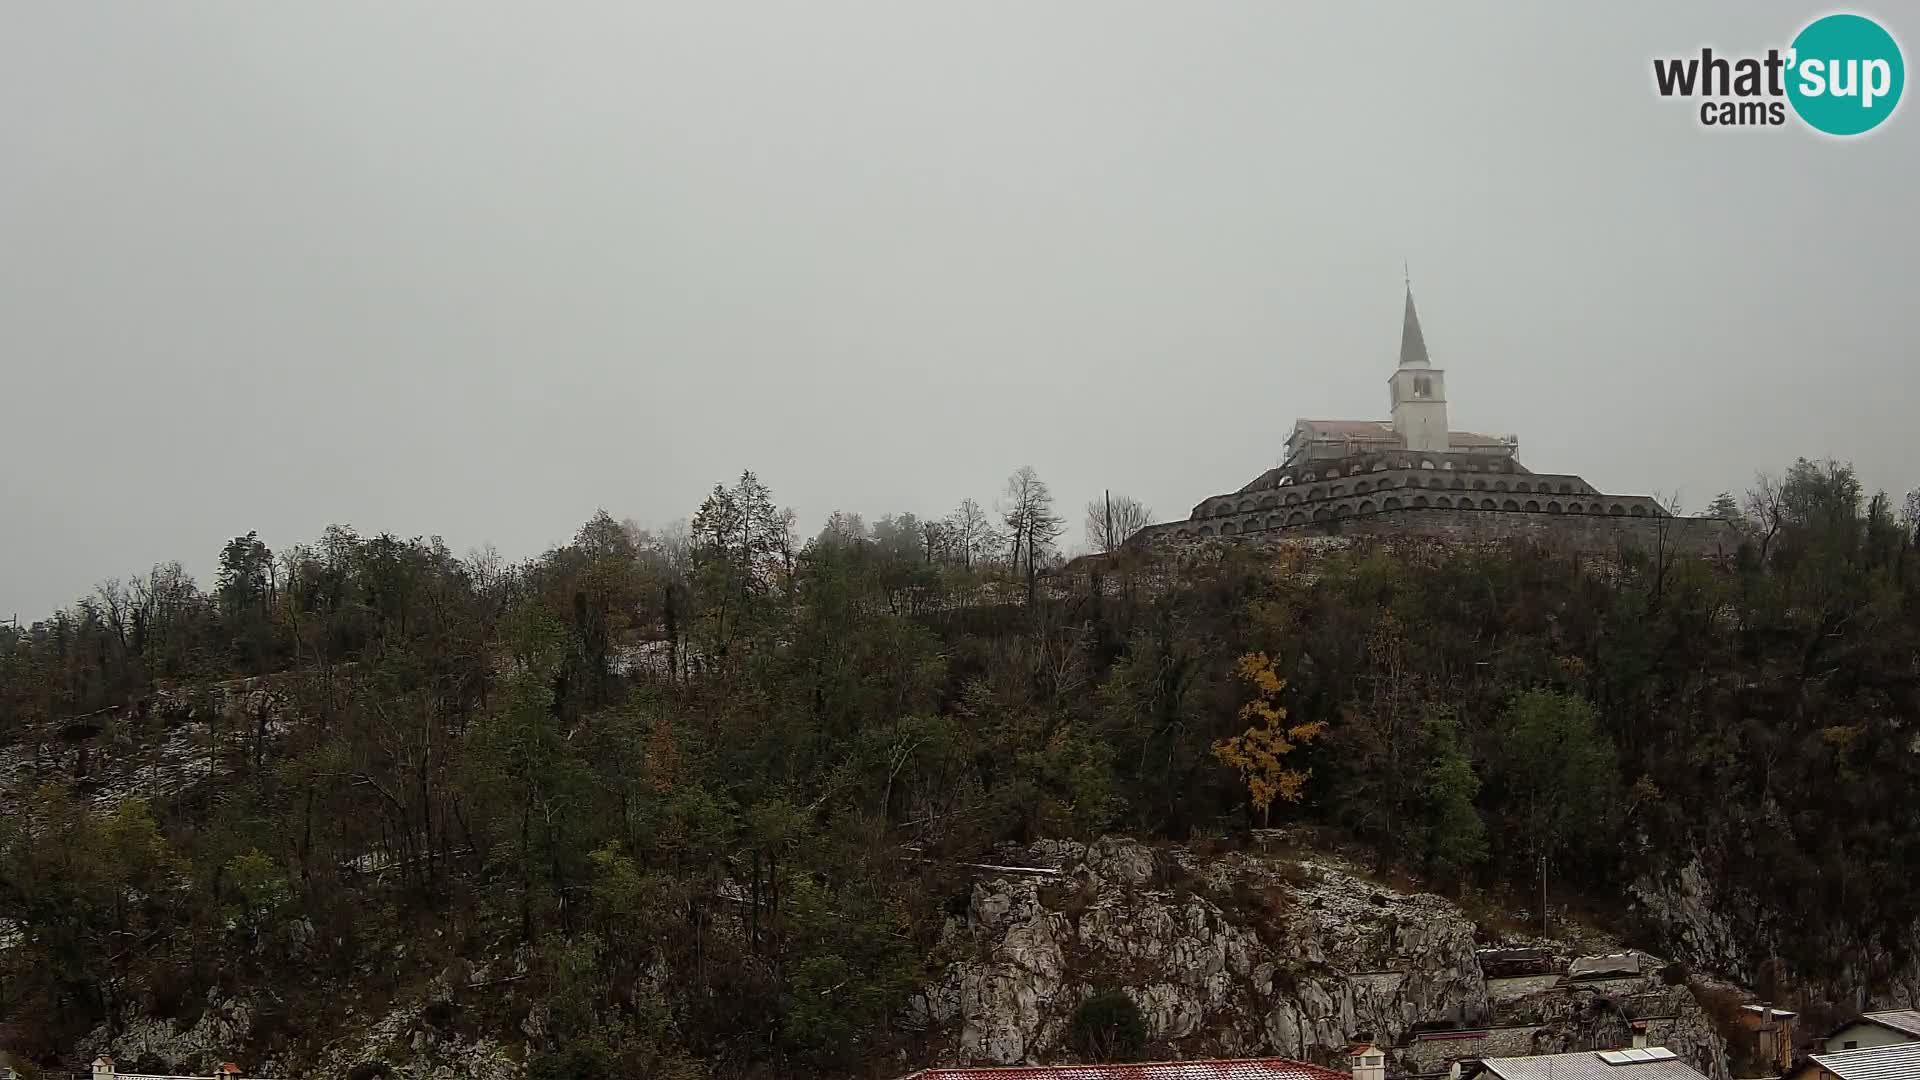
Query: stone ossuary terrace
(1412, 475)
(1318, 493)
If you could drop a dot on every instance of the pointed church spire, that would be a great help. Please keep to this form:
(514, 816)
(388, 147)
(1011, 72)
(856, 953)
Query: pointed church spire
(1413, 347)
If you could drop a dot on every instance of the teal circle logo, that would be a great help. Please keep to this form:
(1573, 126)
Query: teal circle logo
(1846, 74)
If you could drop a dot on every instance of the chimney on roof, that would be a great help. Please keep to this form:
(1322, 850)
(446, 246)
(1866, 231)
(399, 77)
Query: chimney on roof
(1369, 1061)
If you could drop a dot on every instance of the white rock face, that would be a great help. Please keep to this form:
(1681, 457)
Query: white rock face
(1686, 904)
(1731, 932)
(1237, 955)
(210, 1040)
(401, 1039)
(1233, 959)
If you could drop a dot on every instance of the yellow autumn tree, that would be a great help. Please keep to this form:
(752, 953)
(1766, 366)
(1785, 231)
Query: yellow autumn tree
(1260, 752)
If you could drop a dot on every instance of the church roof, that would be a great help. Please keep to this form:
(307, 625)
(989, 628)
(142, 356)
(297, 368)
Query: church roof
(1413, 345)
(1359, 429)
(1473, 438)
(1383, 429)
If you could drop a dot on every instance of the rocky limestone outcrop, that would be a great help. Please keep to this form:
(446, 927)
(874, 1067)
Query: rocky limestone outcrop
(410, 1048)
(1721, 928)
(1687, 906)
(404, 1042)
(1228, 955)
(1238, 954)
(201, 1045)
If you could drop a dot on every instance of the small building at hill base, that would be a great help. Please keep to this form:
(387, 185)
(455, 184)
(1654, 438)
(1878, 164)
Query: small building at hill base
(1875, 1029)
(1894, 1061)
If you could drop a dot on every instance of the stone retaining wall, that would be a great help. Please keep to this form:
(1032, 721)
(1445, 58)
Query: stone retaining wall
(1580, 532)
(1606, 533)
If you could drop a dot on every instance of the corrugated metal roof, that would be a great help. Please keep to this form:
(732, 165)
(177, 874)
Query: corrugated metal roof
(1240, 1069)
(1613, 965)
(1588, 1065)
(1900, 1061)
(1902, 1020)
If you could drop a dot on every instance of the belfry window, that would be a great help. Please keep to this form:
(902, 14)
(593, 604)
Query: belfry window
(1422, 386)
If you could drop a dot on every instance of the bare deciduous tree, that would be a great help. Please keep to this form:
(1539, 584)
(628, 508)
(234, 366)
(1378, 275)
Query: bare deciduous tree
(1027, 510)
(1113, 519)
(843, 527)
(1765, 509)
(1666, 540)
(937, 537)
(971, 532)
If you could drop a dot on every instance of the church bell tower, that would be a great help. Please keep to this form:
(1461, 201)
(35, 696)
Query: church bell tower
(1419, 390)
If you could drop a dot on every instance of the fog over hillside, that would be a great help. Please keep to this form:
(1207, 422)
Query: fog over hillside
(478, 270)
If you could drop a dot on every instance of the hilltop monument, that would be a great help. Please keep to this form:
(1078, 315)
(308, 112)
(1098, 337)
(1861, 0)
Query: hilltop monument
(1412, 474)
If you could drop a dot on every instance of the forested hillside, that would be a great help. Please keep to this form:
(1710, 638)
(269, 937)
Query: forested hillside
(704, 783)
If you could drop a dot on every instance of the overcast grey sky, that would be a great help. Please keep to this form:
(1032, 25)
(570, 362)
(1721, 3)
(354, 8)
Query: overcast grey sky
(477, 269)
